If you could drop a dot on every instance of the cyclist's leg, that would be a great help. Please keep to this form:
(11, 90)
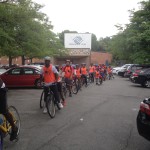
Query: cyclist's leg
(96, 80)
(85, 79)
(59, 86)
(93, 76)
(54, 89)
(46, 89)
(68, 83)
(6, 113)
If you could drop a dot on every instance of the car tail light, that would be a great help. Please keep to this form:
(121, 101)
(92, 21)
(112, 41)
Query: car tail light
(135, 74)
(145, 108)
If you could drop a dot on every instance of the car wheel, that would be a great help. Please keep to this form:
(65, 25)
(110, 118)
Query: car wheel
(146, 83)
(38, 84)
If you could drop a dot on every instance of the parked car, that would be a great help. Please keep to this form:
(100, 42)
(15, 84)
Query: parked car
(123, 69)
(141, 77)
(115, 70)
(143, 119)
(133, 68)
(24, 76)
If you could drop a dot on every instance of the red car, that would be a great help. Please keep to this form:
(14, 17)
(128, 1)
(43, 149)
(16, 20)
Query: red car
(24, 76)
(143, 119)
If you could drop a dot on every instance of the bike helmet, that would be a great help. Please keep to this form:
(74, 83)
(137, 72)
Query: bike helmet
(47, 58)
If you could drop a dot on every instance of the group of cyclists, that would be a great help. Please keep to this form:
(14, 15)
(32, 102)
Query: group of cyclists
(53, 76)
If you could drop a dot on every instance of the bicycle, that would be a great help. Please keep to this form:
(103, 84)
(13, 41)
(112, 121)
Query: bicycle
(65, 88)
(6, 128)
(78, 84)
(50, 103)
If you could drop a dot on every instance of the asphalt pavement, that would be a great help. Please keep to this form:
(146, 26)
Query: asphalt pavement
(97, 118)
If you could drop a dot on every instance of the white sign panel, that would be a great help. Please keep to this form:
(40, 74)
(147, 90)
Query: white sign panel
(77, 40)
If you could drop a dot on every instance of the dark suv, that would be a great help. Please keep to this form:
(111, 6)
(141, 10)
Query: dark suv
(142, 77)
(133, 68)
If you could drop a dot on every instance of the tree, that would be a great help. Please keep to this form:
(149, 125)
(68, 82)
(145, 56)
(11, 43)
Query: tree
(25, 31)
(132, 43)
(94, 45)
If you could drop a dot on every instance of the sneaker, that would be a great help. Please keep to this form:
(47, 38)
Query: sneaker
(70, 95)
(60, 105)
(13, 135)
(45, 110)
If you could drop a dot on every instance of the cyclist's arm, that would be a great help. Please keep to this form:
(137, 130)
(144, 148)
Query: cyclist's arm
(41, 75)
(55, 72)
(2, 84)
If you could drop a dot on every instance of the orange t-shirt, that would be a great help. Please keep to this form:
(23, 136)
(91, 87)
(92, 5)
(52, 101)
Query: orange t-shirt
(91, 69)
(48, 74)
(68, 72)
(84, 71)
(78, 74)
(109, 70)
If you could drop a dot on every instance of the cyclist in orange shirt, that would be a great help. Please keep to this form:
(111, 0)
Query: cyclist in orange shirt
(68, 74)
(97, 75)
(78, 74)
(109, 70)
(91, 72)
(59, 86)
(84, 73)
(50, 76)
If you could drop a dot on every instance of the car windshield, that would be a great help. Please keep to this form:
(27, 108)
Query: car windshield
(2, 70)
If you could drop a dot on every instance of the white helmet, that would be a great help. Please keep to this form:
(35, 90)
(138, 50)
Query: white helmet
(47, 58)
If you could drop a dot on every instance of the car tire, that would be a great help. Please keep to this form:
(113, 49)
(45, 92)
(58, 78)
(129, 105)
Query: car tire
(146, 83)
(38, 84)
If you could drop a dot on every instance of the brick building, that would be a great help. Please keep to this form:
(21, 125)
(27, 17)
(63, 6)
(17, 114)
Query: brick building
(77, 58)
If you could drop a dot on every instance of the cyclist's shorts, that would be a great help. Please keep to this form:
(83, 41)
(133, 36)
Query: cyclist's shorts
(3, 101)
(59, 86)
(68, 81)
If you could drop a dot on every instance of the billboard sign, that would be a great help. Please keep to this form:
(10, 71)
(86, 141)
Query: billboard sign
(77, 40)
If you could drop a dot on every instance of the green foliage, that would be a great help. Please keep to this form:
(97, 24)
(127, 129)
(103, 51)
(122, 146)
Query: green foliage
(25, 31)
(133, 42)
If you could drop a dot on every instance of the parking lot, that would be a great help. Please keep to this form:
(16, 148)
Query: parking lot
(97, 118)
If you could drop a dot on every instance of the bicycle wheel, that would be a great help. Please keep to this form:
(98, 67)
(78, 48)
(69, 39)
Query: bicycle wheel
(42, 100)
(16, 117)
(74, 88)
(50, 105)
(1, 141)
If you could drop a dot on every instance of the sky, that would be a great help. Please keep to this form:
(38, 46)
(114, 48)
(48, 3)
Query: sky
(93, 16)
